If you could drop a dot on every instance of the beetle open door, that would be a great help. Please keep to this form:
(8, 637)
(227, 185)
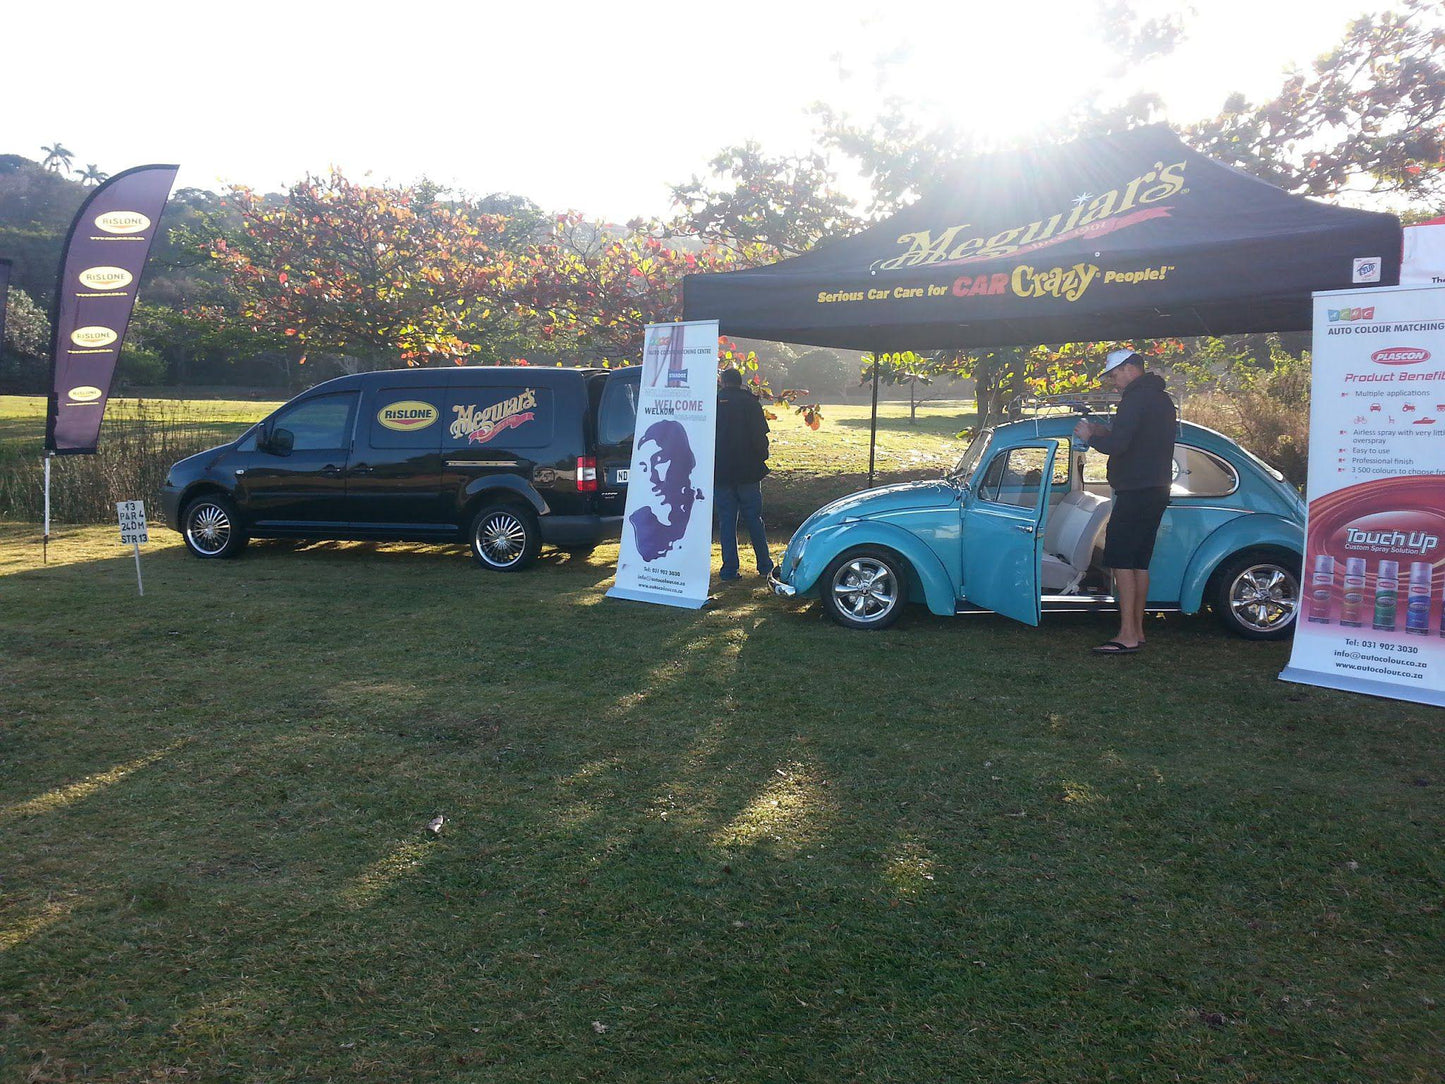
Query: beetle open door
(1003, 530)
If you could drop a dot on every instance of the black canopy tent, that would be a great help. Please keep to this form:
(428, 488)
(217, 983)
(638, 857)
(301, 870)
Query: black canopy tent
(1128, 236)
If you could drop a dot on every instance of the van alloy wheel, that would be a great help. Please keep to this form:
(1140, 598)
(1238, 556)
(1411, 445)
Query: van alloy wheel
(210, 528)
(505, 539)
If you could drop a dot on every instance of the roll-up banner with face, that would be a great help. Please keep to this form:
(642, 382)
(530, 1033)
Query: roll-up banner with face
(4, 296)
(104, 254)
(666, 553)
(1372, 614)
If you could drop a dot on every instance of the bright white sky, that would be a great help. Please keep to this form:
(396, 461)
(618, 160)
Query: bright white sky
(592, 106)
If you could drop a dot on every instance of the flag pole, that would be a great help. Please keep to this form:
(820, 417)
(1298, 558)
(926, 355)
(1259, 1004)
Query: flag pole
(45, 538)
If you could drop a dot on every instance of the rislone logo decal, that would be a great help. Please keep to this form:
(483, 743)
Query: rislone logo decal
(85, 394)
(122, 222)
(105, 278)
(477, 425)
(407, 415)
(1090, 216)
(93, 336)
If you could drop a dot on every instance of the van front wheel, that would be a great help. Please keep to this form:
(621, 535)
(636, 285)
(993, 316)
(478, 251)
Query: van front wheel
(211, 529)
(505, 538)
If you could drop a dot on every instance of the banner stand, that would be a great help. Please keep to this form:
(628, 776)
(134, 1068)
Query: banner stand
(45, 538)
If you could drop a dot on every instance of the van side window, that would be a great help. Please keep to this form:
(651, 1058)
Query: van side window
(407, 418)
(320, 424)
(492, 416)
(617, 416)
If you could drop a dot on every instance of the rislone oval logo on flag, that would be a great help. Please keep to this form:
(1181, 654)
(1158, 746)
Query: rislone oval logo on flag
(85, 394)
(93, 336)
(105, 278)
(1400, 355)
(407, 415)
(122, 222)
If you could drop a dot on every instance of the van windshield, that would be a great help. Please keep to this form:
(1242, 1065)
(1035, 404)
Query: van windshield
(617, 414)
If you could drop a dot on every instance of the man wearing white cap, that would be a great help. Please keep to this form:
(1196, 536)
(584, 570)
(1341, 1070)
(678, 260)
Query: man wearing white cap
(1140, 447)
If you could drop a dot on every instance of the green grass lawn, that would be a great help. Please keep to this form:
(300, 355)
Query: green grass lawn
(737, 844)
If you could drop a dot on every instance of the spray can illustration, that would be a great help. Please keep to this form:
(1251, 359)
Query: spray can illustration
(1322, 588)
(1417, 605)
(1354, 593)
(1387, 595)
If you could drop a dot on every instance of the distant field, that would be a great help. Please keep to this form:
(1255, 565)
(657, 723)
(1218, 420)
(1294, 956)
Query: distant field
(809, 467)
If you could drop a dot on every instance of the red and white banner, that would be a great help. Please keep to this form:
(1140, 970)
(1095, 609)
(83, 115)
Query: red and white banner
(1372, 618)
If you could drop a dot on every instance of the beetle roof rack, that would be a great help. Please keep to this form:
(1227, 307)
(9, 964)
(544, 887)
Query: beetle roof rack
(1088, 402)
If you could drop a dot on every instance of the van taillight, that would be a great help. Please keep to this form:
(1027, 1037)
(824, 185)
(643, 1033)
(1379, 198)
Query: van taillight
(586, 474)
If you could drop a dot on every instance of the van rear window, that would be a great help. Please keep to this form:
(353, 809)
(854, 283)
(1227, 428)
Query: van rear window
(520, 416)
(617, 415)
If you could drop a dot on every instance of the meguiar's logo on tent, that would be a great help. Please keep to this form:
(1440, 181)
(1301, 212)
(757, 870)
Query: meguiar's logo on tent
(84, 394)
(93, 336)
(1091, 216)
(122, 222)
(407, 415)
(1400, 355)
(477, 426)
(1346, 315)
(105, 278)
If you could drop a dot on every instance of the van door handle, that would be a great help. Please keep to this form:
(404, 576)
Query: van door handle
(362, 470)
(329, 472)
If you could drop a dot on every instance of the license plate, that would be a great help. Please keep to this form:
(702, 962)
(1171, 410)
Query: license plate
(619, 476)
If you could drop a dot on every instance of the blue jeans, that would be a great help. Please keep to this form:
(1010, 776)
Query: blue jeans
(731, 502)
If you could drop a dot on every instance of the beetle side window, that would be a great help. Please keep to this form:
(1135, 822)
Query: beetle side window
(1015, 477)
(1198, 473)
(320, 424)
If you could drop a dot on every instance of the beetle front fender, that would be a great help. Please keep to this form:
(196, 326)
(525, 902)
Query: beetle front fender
(1260, 529)
(929, 575)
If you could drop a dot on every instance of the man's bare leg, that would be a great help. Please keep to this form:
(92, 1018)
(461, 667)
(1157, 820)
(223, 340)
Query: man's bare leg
(1132, 585)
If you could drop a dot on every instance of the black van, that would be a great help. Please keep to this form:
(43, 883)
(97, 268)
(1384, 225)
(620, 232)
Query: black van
(503, 458)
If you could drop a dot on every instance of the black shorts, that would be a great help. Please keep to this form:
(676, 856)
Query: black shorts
(1133, 523)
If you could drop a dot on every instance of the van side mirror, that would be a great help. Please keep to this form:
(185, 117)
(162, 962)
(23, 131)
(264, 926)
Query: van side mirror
(280, 441)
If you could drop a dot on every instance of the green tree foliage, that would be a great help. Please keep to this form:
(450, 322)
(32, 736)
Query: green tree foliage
(378, 273)
(1371, 114)
(23, 361)
(786, 203)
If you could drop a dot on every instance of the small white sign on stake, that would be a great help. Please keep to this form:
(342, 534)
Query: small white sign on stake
(132, 516)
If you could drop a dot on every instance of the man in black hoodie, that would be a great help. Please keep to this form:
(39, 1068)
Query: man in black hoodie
(741, 462)
(1140, 447)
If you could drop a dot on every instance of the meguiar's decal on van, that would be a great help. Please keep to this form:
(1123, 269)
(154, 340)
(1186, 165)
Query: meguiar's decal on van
(477, 425)
(407, 415)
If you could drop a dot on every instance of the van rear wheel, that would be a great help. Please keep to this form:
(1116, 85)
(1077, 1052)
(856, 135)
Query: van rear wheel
(505, 538)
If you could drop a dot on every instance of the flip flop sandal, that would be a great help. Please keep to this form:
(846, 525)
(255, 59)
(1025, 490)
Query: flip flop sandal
(1114, 647)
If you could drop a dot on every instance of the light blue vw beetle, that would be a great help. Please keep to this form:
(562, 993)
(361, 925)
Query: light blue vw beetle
(1017, 527)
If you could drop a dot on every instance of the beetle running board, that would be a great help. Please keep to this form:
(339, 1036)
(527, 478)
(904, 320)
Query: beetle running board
(1064, 604)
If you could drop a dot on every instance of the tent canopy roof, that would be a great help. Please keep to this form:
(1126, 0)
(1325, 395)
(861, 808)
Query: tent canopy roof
(1132, 235)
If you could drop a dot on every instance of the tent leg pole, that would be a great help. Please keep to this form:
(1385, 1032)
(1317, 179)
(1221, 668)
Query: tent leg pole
(873, 420)
(45, 538)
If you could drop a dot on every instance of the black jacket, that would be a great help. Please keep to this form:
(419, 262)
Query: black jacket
(1140, 443)
(742, 438)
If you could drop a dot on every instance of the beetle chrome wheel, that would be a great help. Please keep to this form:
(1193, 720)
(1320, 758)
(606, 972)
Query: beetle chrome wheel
(1264, 597)
(208, 528)
(501, 539)
(865, 589)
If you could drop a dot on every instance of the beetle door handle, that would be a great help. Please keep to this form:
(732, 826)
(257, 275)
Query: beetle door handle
(1027, 528)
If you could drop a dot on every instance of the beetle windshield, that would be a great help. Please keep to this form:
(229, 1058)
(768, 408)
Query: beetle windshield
(968, 462)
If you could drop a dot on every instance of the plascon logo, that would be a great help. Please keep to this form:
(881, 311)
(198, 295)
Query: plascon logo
(93, 336)
(105, 278)
(85, 394)
(1400, 355)
(407, 415)
(122, 222)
